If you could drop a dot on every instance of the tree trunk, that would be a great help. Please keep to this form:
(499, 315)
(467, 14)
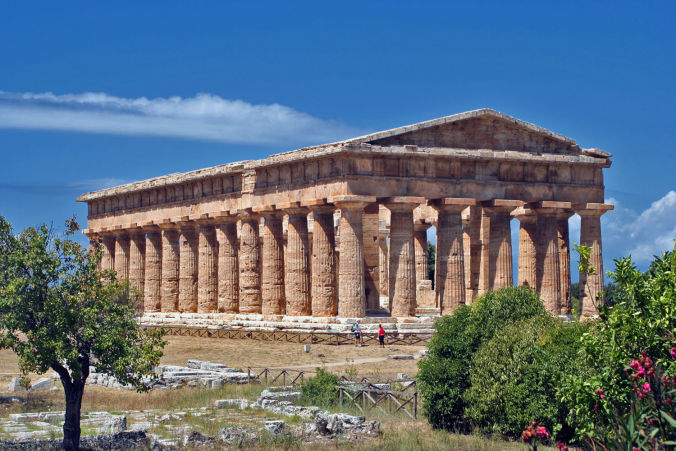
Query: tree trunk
(71, 427)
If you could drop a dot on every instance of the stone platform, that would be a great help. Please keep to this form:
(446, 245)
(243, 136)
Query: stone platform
(292, 324)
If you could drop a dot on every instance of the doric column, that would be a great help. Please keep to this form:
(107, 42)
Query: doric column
(549, 275)
(323, 265)
(108, 249)
(472, 248)
(122, 255)
(527, 275)
(207, 270)
(450, 277)
(272, 291)
(500, 272)
(297, 265)
(351, 295)
(228, 266)
(402, 255)
(591, 285)
(137, 259)
(249, 264)
(187, 274)
(170, 266)
(152, 286)
(420, 245)
(564, 260)
(383, 262)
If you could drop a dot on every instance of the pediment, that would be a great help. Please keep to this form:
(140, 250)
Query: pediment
(479, 129)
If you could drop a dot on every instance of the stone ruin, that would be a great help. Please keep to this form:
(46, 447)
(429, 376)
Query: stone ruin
(339, 231)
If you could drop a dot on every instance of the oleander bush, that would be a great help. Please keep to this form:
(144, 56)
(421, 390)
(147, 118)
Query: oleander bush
(321, 390)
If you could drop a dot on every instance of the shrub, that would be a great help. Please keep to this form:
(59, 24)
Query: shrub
(321, 390)
(443, 377)
(642, 323)
(516, 373)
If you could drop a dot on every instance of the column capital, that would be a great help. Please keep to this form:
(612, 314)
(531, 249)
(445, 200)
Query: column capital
(452, 202)
(524, 214)
(352, 202)
(592, 209)
(166, 224)
(420, 225)
(501, 206)
(293, 208)
(319, 205)
(221, 217)
(248, 214)
(403, 203)
(185, 223)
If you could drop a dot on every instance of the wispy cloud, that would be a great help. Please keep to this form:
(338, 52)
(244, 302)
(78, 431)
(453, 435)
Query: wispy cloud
(70, 188)
(205, 117)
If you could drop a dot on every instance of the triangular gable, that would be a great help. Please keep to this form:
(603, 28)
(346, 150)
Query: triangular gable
(479, 129)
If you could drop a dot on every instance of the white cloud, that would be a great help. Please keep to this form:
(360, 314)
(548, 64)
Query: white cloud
(205, 116)
(626, 232)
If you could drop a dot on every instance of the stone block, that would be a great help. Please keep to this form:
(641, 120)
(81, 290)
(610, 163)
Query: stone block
(42, 384)
(400, 356)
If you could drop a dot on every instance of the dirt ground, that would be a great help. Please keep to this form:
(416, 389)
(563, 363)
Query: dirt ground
(369, 360)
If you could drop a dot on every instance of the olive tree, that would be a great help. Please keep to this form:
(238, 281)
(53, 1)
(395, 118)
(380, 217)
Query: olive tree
(58, 310)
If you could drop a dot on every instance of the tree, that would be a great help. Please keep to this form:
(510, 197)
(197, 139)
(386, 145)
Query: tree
(59, 311)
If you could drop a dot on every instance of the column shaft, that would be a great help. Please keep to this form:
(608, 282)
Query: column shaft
(137, 261)
(351, 295)
(500, 244)
(450, 278)
(297, 282)
(324, 295)
(207, 273)
(108, 249)
(564, 263)
(228, 268)
(591, 285)
(170, 269)
(152, 287)
(122, 256)
(527, 275)
(402, 260)
(549, 275)
(472, 248)
(273, 265)
(420, 244)
(249, 266)
(383, 264)
(187, 281)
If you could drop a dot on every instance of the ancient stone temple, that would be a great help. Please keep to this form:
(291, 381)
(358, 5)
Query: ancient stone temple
(340, 230)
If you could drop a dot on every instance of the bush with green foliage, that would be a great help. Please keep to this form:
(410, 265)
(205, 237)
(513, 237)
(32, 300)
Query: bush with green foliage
(321, 390)
(515, 376)
(444, 376)
(601, 396)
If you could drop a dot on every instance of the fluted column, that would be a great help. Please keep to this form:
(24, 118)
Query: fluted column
(384, 263)
(450, 277)
(420, 245)
(472, 248)
(549, 275)
(273, 264)
(207, 272)
(591, 285)
(108, 249)
(249, 265)
(297, 267)
(187, 278)
(152, 286)
(137, 259)
(351, 294)
(170, 267)
(500, 270)
(527, 275)
(402, 256)
(564, 260)
(228, 266)
(324, 289)
(122, 255)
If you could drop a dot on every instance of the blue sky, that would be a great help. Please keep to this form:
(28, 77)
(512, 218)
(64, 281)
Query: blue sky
(93, 95)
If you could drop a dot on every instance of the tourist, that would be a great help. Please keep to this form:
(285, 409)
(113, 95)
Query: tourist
(381, 335)
(356, 329)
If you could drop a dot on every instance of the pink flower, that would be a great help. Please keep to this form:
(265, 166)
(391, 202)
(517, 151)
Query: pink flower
(647, 361)
(673, 353)
(562, 446)
(634, 364)
(646, 387)
(636, 449)
(601, 396)
(541, 432)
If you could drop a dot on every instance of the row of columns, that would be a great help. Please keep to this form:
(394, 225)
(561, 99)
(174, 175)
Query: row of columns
(202, 266)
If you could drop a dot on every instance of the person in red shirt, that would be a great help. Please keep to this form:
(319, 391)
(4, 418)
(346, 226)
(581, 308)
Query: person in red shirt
(381, 335)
